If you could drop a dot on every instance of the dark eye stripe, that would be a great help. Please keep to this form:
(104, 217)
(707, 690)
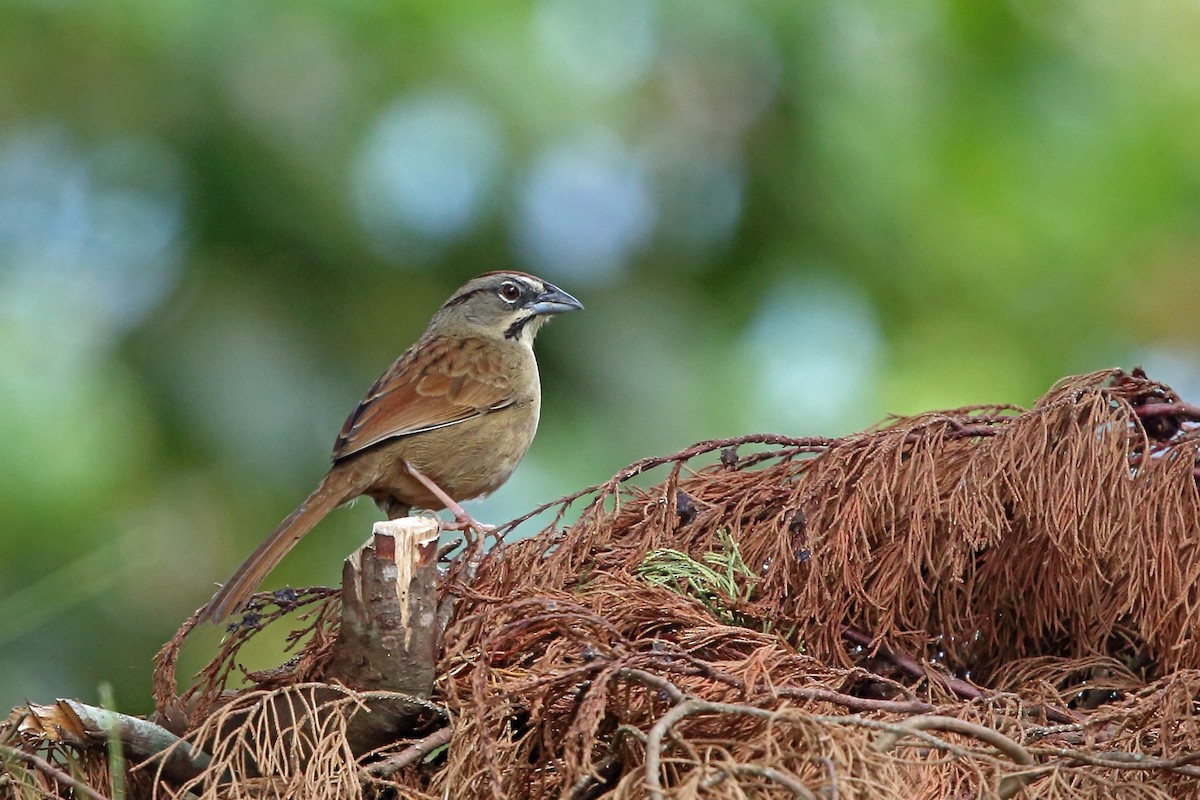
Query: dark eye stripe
(458, 300)
(521, 285)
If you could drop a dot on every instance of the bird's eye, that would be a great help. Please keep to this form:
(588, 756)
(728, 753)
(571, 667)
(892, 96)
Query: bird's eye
(510, 292)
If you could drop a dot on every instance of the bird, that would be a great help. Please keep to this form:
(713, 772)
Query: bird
(449, 420)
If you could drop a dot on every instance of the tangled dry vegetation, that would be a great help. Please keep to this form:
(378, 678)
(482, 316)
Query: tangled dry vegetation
(984, 602)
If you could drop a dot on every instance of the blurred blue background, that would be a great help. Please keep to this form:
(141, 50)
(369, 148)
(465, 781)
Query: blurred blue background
(220, 221)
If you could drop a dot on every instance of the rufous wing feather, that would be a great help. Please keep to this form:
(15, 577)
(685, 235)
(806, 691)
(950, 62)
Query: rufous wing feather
(439, 382)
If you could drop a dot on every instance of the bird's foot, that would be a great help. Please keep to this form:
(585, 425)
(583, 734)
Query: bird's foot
(462, 520)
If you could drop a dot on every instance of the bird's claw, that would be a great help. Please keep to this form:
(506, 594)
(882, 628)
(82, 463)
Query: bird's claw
(467, 522)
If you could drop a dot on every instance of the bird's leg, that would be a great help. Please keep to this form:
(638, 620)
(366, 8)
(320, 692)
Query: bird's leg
(462, 520)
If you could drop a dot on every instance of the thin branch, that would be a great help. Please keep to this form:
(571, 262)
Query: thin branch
(1185, 411)
(814, 692)
(632, 732)
(784, 779)
(411, 754)
(650, 679)
(1126, 761)
(1009, 785)
(692, 705)
(659, 730)
(1073, 730)
(51, 771)
(591, 782)
(958, 431)
(805, 444)
(1010, 748)
(853, 703)
(935, 742)
(963, 689)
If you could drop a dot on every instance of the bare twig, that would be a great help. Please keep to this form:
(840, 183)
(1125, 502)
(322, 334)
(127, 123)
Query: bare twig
(1009, 785)
(784, 779)
(51, 771)
(853, 703)
(650, 679)
(411, 754)
(659, 730)
(1184, 765)
(832, 772)
(593, 781)
(1185, 411)
(964, 689)
(889, 739)
(820, 693)
(814, 444)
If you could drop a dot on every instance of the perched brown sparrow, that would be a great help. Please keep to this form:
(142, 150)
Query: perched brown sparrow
(448, 421)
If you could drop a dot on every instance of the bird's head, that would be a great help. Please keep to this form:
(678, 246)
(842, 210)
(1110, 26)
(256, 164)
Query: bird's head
(504, 305)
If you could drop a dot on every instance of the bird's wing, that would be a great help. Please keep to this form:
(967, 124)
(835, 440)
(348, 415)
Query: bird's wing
(438, 382)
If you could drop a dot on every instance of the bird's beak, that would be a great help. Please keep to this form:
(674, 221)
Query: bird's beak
(554, 300)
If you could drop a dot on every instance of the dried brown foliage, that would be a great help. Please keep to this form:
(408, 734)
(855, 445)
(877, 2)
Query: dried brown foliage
(971, 603)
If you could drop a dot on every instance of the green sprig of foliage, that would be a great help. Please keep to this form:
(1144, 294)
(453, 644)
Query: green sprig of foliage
(719, 580)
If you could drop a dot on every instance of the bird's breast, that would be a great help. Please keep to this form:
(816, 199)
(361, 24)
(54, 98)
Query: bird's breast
(466, 460)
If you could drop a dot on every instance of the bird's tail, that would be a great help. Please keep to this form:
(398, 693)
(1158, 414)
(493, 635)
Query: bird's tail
(335, 488)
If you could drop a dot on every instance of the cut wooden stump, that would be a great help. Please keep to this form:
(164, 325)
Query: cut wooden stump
(389, 638)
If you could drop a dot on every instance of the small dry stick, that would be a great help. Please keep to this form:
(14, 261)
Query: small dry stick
(654, 739)
(51, 771)
(784, 779)
(963, 689)
(808, 444)
(411, 754)
(1131, 761)
(1009, 785)
(1185, 411)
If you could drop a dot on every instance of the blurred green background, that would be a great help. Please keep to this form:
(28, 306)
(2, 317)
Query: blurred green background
(220, 221)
